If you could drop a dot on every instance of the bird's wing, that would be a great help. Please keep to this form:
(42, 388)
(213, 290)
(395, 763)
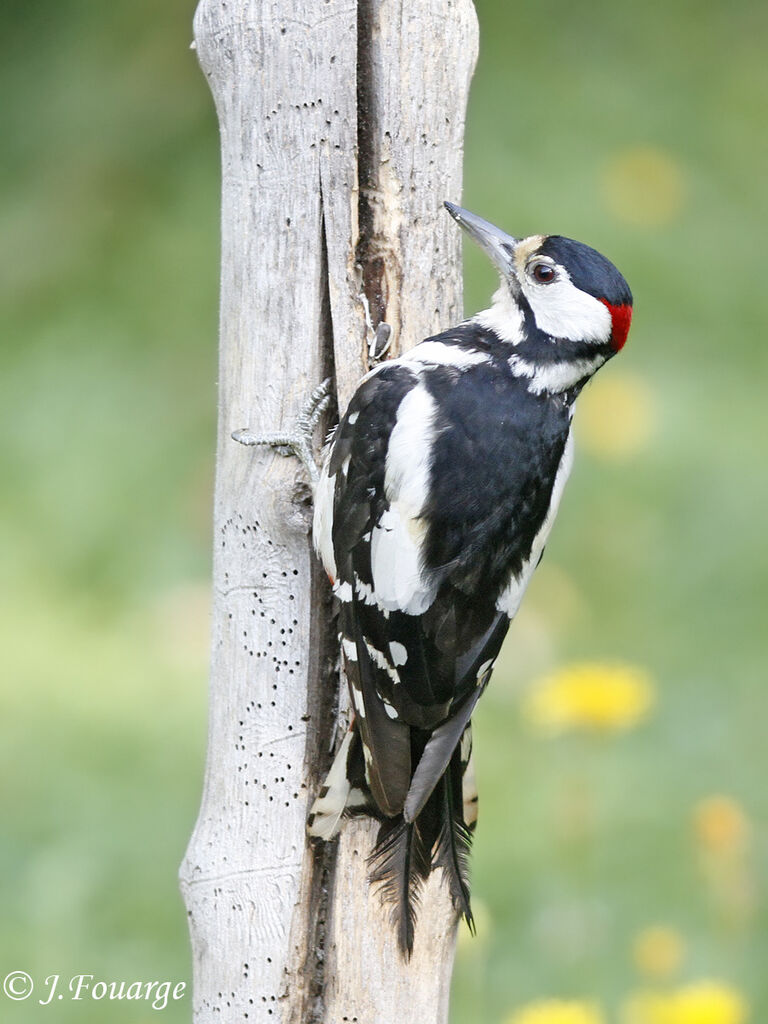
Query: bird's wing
(417, 650)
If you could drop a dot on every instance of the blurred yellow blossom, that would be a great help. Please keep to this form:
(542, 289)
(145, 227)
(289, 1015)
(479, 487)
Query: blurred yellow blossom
(723, 831)
(658, 951)
(616, 416)
(645, 1008)
(644, 185)
(721, 825)
(705, 1002)
(591, 695)
(556, 1011)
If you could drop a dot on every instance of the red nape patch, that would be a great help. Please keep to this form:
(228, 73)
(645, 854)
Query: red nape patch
(622, 318)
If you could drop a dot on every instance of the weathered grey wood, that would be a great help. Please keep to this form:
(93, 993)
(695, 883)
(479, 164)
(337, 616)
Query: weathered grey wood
(280, 931)
(416, 61)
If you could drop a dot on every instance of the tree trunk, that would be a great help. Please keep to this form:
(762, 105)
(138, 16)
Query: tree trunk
(313, 97)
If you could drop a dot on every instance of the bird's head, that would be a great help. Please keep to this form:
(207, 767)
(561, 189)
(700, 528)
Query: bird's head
(563, 305)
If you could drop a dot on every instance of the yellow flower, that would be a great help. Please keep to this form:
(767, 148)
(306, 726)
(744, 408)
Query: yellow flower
(643, 185)
(721, 825)
(705, 1002)
(723, 835)
(658, 951)
(616, 416)
(645, 1008)
(604, 697)
(556, 1011)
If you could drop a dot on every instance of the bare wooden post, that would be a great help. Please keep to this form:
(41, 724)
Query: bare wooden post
(312, 96)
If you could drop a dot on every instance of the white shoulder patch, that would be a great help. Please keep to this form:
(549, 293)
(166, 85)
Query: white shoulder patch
(398, 582)
(397, 539)
(406, 478)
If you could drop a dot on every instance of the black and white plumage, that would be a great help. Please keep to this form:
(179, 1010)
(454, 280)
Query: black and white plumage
(436, 498)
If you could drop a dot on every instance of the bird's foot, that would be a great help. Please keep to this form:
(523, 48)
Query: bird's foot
(297, 441)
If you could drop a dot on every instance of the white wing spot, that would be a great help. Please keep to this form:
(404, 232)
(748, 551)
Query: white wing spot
(380, 660)
(484, 668)
(389, 709)
(398, 652)
(357, 697)
(350, 649)
(365, 592)
(327, 810)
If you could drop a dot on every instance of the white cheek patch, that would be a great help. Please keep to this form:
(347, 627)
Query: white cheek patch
(564, 311)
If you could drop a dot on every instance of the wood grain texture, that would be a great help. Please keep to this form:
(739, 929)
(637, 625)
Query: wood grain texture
(416, 61)
(282, 931)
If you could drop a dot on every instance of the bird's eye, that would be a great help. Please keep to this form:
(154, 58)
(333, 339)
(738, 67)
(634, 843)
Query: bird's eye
(542, 272)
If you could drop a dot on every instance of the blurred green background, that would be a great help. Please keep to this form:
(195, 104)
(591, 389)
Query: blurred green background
(624, 854)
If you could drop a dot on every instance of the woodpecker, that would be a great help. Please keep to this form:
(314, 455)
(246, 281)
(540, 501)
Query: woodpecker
(436, 496)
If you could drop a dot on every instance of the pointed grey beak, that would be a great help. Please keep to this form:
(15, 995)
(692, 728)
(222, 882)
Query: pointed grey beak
(499, 246)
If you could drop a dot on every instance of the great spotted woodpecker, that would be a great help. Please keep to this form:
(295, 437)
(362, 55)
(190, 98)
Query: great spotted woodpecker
(435, 500)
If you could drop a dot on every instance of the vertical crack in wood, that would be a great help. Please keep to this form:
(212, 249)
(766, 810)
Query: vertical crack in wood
(369, 256)
(322, 709)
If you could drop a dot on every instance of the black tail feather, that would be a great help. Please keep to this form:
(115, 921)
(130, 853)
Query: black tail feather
(454, 841)
(400, 863)
(406, 852)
